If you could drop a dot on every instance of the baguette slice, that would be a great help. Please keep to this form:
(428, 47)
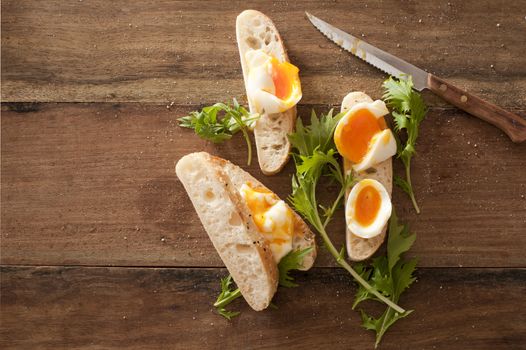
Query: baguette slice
(302, 238)
(254, 30)
(361, 248)
(213, 187)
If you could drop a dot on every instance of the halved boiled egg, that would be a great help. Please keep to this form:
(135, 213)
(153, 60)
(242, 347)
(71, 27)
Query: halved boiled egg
(273, 218)
(272, 86)
(368, 208)
(362, 136)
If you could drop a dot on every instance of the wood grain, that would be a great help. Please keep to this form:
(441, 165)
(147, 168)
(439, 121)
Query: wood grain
(137, 308)
(513, 125)
(94, 184)
(183, 51)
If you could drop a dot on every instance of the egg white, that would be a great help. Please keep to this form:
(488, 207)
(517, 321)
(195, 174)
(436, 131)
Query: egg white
(276, 221)
(382, 145)
(260, 86)
(384, 212)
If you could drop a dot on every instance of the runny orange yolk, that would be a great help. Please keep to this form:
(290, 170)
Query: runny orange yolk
(260, 202)
(354, 136)
(367, 205)
(258, 206)
(285, 78)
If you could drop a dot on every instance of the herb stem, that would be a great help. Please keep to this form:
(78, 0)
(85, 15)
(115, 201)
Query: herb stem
(355, 275)
(249, 145)
(383, 329)
(341, 261)
(408, 179)
(225, 301)
(333, 207)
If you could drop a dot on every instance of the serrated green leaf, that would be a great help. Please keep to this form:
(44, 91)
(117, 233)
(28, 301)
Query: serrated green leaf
(403, 276)
(219, 122)
(399, 240)
(400, 120)
(292, 261)
(408, 110)
(317, 135)
(228, 314)
(391, 275)
(368, 322)
(402, 184)
(227, 296)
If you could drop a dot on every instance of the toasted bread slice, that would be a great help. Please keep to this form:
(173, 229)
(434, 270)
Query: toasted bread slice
(361, 248)
(213, 187)
(235, 237)
(303, 237)
(254, 30)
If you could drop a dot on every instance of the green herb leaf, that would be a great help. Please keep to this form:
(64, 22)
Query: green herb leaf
(381, 324)
(399, 240)
(292, 261)
(318, 135)
(404, 185)
(391, 275)
(227, 314)
(315, 157)
(219, 122)
(227, 296)
(409, 109)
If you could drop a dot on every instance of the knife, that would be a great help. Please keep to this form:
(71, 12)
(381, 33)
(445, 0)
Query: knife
(513, 125)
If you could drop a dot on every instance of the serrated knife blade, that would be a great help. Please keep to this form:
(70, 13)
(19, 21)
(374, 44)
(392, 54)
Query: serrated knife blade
(380, 59)
(513, 125)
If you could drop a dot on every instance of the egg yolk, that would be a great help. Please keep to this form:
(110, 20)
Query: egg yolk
(354, 136)
(367, 205)
(262, 204)
(285, 78)
(258, 204)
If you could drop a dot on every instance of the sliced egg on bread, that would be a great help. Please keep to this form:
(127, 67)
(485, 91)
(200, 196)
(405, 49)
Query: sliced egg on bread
(272, 86)
(368, 208)
(273, 218)
(363, 137)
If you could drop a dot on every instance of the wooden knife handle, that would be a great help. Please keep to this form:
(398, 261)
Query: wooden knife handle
(513, 125)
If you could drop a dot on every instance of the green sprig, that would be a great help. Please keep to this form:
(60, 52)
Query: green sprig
(408, 110)
(227, 296)
(219, 122)
(292, 261)
(316, 157)
(391, 275)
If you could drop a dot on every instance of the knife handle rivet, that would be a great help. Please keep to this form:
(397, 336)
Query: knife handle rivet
(463, 98)
(443, 87)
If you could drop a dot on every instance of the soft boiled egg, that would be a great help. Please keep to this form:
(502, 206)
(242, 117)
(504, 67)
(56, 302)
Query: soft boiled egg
(272, 86)
(273, 218)
(362, 136)
(368, 208)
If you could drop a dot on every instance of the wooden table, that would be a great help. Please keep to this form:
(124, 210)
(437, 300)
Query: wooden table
(100, 247)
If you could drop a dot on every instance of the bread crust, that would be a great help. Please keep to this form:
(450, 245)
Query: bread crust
(254, 30)
(362, 248)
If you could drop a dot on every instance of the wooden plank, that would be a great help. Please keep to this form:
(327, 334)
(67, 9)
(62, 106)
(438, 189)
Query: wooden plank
(181, 51)
(94, 184)
(149, 308)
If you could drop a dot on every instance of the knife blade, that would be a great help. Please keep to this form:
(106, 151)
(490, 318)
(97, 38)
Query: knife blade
(513, 125)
